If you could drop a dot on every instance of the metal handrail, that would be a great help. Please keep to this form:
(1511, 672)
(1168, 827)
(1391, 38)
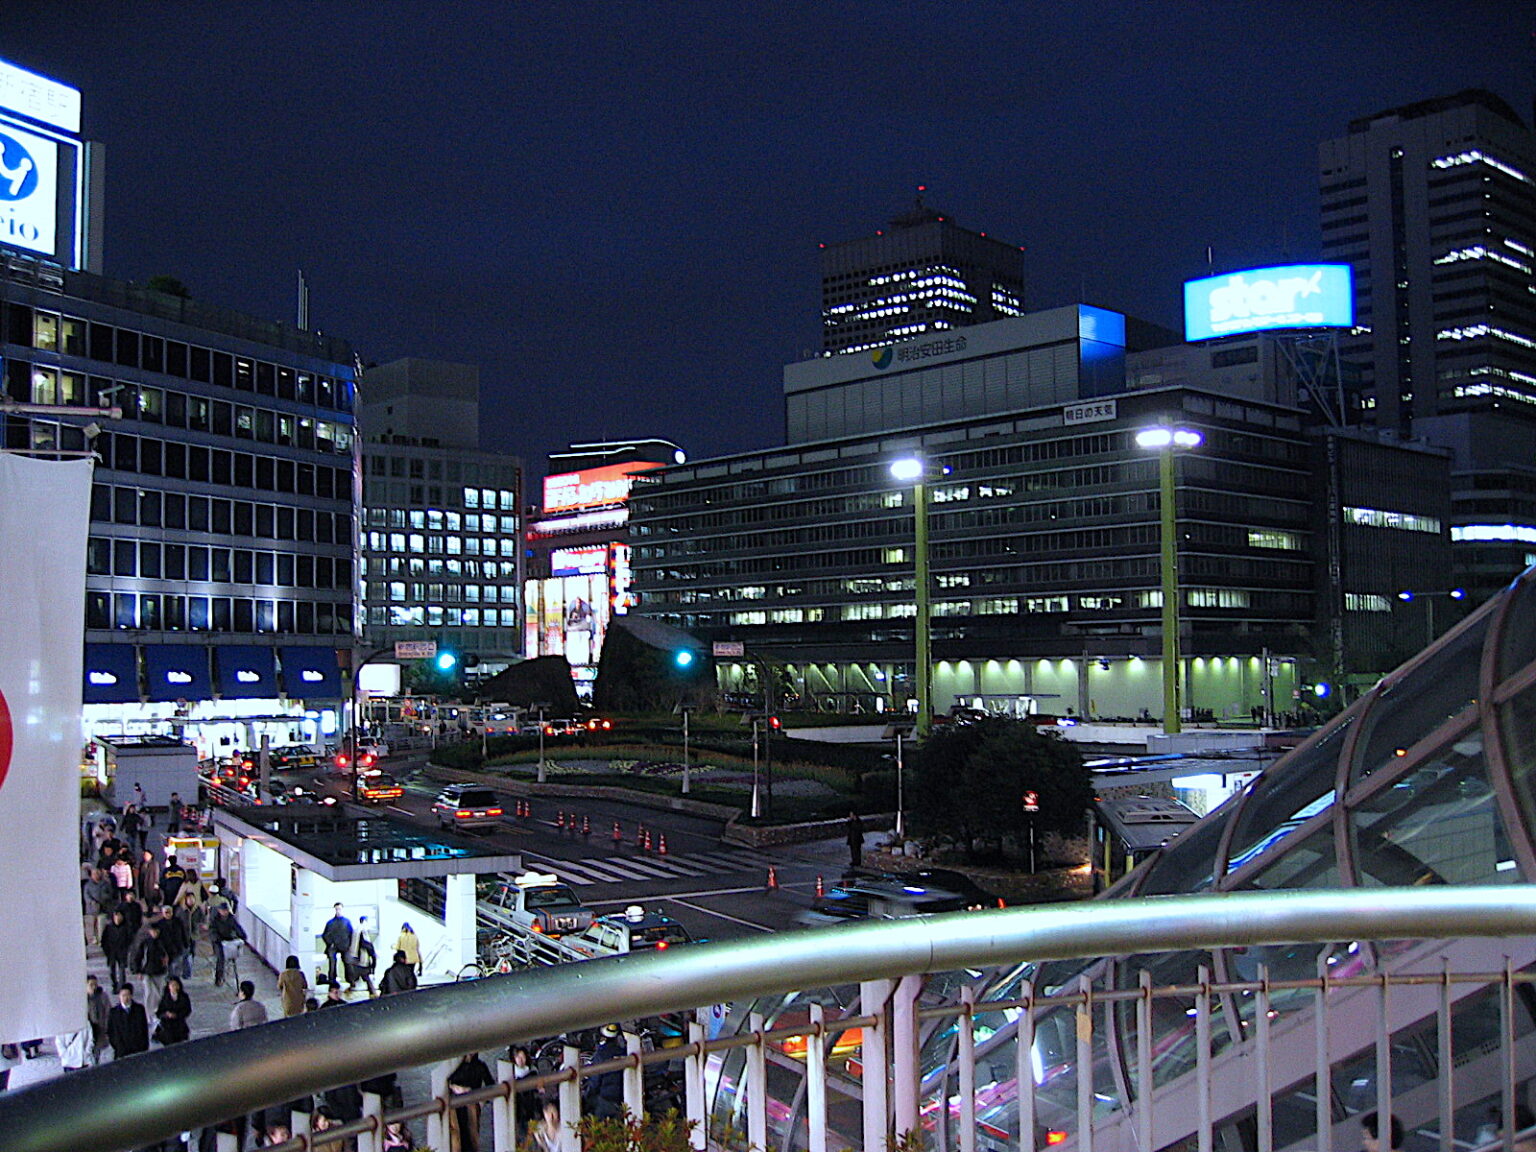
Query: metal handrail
(154, 1096)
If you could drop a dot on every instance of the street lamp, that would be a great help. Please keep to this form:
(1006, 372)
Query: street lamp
(1165, 441)
(1408, 595)
(914, 471)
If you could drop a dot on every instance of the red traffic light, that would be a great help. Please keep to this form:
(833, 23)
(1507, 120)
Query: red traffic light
(773, 722)
(341, 760)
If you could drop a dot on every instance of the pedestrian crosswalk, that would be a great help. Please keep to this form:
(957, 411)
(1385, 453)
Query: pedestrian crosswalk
(628, 869)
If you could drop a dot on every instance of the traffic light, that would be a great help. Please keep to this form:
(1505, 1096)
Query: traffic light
(683, 658)
(446, 661)
(773, 723)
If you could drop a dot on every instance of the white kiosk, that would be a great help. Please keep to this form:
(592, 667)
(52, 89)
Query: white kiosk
(289, 866)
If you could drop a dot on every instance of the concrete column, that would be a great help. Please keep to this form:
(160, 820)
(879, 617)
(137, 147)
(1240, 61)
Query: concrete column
(459, 919)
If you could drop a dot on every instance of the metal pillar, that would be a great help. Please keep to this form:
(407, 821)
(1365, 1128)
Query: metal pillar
(921, 591)
(1170, 572)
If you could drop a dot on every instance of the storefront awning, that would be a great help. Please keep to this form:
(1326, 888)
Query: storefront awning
(310, 673)
(177, 672)
(111, 674)
(246, 671)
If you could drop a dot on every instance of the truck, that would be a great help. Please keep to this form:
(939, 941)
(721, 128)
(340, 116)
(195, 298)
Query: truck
(535, 919)
(160, 765)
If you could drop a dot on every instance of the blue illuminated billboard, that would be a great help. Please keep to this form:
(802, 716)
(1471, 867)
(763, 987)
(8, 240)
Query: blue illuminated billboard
(1290, 296)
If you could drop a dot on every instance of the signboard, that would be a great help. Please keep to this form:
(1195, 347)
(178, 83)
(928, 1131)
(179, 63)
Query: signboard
(728, 649)
(39, 98)
(1289, 296)
(589, 561)
(591, 487)
(415, 649)
(1090, 412)
(29, 196)
(1031, 801)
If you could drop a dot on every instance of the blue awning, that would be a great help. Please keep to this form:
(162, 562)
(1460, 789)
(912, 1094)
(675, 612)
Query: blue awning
(111, 674)
(177, 672)
(311, 673)
(246, 671)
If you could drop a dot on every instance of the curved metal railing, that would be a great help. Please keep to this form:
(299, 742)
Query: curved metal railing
(157, 1095)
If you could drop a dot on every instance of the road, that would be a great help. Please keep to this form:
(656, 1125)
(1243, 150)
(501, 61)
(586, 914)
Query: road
(716, 890)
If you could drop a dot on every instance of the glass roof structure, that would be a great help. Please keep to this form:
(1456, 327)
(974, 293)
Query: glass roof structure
(1428, 779)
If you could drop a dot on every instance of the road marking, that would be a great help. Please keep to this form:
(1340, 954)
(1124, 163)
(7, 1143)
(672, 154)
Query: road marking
(722, 915)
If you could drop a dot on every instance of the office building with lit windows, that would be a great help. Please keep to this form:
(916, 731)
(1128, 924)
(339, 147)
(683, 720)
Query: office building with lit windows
(441, 532)
(919, 275)
(1434, 205)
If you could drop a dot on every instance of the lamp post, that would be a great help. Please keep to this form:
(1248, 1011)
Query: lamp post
(357, 718)
(540, 705)
(1408, 595)
(1165, 441)
(914, 471)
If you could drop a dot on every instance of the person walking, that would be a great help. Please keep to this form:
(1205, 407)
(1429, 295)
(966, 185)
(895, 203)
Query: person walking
(361, 958)
(147, 881)
(177, 942)
(855, 833)
(98, 1006)
(464, 1127)
(127, 1026)
(100, 895)
(173, 815)
(225, 936)
(174, 1013)
(116, 940)
(132, 828)
(122, 876)
(248, 1011)
(398, 977)
(337, 938)
(151, 960)
(410, 944)
(292, 987)
(172, 877)
(603, 1094)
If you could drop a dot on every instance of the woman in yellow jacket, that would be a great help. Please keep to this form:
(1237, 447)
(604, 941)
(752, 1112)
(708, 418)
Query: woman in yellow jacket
(410, 945)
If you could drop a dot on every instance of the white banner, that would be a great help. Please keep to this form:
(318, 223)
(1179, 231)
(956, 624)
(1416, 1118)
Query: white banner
(44, 512)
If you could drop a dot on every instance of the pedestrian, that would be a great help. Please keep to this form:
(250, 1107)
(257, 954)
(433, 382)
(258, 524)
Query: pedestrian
(178, 944)
(1370, 1133)
(410, 944)
(224, 936)
(116, 940)
(133, 912)
(248, 1011)
(471, 1075)
(100, 895)
(603, 1094)
(172, 877)
(337, 937)
(333, 996)
(98, 1006)
(127, 1026)
(546, 1132)
(189, 910)
(291, 986)
(174, 1013)
(398, 977)
(855, 833)
(152, 961)
(132, 827)
(361, 958)
(147, 883)
(122, 876)
(173, 815)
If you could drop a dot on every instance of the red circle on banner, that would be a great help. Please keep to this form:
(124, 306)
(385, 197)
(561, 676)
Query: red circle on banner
(5, 738)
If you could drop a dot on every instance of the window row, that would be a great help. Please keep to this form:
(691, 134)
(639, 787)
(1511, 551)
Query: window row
(176, 461)
(416, 566)
(400, 592)
(155, 561)
(127, 348)
(154, 612)
(437, 520)
(435, 616)
(154, 509)
(418, 544)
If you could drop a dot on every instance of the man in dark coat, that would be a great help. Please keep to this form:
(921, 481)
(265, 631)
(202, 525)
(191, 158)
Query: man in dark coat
(398, 977)
(172, 877)
(604, 1094)
(175, 939)
(116, 941)
(127, 1025)
(337, 937)
(222, 930)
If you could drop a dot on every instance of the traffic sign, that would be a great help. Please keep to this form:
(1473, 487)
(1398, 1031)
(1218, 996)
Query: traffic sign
(415, 649)
(728, 648)
(1031, 801)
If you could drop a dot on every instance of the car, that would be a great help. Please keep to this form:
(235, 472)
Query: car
(880, 898)
(467, 806)
(633, 930)
(378, 788)
(976, 897)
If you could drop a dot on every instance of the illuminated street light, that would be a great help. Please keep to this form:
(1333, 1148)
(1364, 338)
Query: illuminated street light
(1165, 441)
(914, 471)
(1407, 596)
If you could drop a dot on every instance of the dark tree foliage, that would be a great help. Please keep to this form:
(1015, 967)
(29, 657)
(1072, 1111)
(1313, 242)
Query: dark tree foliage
(969, 782)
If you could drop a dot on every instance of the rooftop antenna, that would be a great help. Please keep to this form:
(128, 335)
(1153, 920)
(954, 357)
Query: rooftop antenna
(303, 302)
(1210, 260)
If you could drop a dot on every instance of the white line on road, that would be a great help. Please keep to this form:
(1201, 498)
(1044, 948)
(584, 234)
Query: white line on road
(722, 915)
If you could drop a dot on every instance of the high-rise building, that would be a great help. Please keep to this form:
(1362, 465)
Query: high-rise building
(1434, 204)
(923, 273)
(441, 532)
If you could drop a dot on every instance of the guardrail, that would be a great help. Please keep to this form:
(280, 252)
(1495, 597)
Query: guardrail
(160, 1094)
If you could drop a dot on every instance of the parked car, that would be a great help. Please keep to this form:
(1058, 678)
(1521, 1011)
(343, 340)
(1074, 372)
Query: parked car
(633, 930)
(467, 806)
(881, 898)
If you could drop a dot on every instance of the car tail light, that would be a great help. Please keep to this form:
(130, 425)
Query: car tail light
(493, 811)
(661, 946)
(1001, 903)
(1054, 1137)
(537, 927)
(462, 815)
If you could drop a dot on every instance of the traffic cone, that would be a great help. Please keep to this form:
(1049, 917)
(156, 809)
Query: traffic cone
(647, 845)
(640, 836)
(663, 849)
(773, 879)
(618, 834)
(586, 826)
(821, 889)
(560, 819)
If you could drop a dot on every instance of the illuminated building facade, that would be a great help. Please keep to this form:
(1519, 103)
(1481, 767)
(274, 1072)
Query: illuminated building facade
(922, 273)
(579, 553)
(440, 524)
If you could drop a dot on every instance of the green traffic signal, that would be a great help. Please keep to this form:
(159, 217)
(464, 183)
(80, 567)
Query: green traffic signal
(683, 658)
(446, 661)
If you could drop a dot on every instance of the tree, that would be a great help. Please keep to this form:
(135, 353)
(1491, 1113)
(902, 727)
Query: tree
(969, 782)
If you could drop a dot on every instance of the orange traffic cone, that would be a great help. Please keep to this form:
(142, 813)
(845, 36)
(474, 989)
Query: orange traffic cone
(586, 826)
(618, 834)
(663, 849)
(821, 889)
(647, 845)
(640, 836)
(773, 879)
(560, 819)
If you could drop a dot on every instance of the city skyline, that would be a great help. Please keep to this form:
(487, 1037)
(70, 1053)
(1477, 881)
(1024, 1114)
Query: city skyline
(618, 216)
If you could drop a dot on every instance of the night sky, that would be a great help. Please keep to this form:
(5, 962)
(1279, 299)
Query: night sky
(614, 209)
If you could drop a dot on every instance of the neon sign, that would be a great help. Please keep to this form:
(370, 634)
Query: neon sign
(1289, 296)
